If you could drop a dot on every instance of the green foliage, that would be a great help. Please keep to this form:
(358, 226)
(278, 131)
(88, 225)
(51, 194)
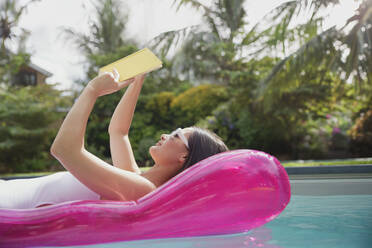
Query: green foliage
(197, 103)
(326, 134)
(16, 62)
(142, 132)
(223, 122)
(262, 131)
(97, 138)
(347, 54)
(28, 117)
(207, 57)
(10, 63)
(159, 106)
(361, 135)
(221, 17)
(142, 152)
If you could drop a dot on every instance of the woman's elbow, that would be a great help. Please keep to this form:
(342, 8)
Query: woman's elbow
(56, 152)
(60, 149)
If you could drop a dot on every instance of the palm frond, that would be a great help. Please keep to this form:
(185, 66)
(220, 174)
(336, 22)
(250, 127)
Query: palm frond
(319, 50)
(209, 14)
(327, 50)
(233, 14)
(164, 41)
(359, 41)
(106, 31)
(281, 18)
(82, 41)
(213, 26)
(251, 36)
(194, 3)
(224, 14)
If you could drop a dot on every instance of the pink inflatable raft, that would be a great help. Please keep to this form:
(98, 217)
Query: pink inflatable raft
(230, 192)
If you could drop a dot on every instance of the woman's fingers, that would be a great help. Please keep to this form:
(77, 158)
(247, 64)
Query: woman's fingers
(121, 84)
(125, 83)
(116, 74)
(140, 77)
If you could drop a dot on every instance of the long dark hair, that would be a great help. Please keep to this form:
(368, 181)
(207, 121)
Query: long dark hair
(202, 144)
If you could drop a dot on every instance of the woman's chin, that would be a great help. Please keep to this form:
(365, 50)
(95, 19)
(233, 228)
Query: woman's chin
(152, 148)
(152, 152)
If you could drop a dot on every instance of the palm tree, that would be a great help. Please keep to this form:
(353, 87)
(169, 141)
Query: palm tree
(347, 53)
(106, 32)
(208, 50)
(224, 21)
(10, 14)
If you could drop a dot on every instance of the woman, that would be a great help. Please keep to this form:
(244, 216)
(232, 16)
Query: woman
(90, 178)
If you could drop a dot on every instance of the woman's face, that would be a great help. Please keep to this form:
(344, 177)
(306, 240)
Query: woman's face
(171, 150)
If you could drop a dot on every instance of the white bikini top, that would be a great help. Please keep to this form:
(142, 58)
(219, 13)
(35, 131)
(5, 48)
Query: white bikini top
(52, 189)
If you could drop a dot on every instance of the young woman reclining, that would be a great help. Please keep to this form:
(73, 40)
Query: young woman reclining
(89, 177)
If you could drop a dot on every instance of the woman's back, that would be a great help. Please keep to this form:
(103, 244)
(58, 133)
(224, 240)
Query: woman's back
(52, 189)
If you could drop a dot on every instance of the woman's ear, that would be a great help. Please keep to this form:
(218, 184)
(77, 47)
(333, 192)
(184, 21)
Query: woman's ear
(182, 158)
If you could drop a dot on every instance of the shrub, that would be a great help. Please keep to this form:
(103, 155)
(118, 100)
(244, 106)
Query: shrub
(142, 153)
(361, 135)
(222, 122)
(159, 105)
(326, 136)
(28, 120)
(197, 103)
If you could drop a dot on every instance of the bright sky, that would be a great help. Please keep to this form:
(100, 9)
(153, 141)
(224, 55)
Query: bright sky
(147, 19)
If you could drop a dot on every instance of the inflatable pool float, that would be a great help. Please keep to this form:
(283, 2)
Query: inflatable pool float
(230, 192)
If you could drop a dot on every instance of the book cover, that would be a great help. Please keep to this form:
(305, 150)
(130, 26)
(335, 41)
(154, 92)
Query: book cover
(142, 61)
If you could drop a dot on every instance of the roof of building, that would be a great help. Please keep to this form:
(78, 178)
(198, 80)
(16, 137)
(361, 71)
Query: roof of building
(33, 66)
(39, 69)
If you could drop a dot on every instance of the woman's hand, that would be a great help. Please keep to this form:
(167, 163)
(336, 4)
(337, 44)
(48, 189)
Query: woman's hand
(108, 83)
(140, 78)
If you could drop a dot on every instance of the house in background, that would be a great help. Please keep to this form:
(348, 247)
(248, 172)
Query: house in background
(28, 75)
(31, 75)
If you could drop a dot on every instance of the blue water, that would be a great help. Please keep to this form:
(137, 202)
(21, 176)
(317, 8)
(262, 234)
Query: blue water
(308, 221)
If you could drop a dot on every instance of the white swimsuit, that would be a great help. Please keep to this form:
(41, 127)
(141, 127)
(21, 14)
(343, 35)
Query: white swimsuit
(52, 189)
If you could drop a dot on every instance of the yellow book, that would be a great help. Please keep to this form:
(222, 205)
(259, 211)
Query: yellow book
(142, 61)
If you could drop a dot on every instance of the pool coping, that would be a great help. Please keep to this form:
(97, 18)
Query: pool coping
(331, 180)
(333, 169)
(331, 187)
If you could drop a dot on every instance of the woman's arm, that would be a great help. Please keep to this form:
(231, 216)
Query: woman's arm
(123, 114)
(120, 147)
(68, 147)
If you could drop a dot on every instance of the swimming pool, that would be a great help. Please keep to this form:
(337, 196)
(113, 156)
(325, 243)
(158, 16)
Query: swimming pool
(318, 216)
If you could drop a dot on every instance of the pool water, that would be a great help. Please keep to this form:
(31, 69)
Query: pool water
(333, 221)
